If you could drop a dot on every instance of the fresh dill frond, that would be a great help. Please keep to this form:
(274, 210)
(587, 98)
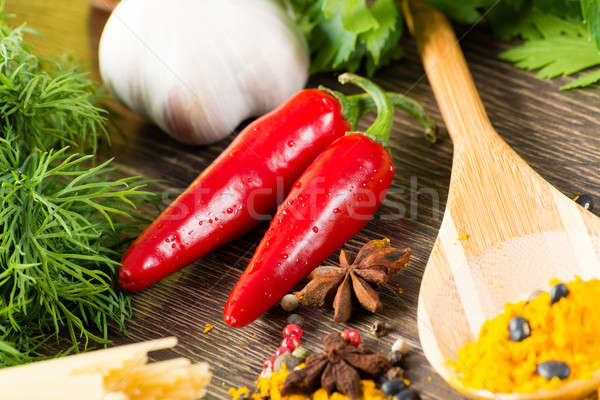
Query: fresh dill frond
(48, 102)
(63, 218)
(60, 219)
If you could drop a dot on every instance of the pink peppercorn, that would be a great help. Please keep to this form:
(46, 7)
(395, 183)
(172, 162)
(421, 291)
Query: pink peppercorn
(269, 363)
(292, 330)
(290, 343)
(352, 336)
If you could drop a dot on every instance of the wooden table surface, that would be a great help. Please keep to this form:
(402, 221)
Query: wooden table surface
(556, 132)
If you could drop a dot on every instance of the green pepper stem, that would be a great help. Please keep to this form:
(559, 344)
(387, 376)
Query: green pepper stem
(363, 103)
(354, 107)
(382, 126)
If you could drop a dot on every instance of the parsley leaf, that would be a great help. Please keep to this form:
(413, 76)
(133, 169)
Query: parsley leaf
(386, 15)
(356, 17)
(590, 10)
(562, 48)
(346, 35)
(562, 37)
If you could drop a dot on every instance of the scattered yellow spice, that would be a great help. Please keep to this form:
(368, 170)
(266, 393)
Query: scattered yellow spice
(207, 328)
(462, 236)
(566, 331)
(238, 393)
(270, 388)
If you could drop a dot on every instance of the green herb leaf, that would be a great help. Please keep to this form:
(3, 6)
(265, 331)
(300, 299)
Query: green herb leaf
(590, 10)
(60, 224)
(48, 102)
(389, 27)
(348, 35)
(356, 17)
(506, 27)
(331, 7)
(562, 48)
(584, 80)
(63, 219)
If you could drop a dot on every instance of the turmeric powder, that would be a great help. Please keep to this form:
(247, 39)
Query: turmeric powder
(270, 388)
(567, 331)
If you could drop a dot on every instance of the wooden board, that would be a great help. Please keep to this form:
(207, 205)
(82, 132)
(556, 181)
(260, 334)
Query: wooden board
(556, 132)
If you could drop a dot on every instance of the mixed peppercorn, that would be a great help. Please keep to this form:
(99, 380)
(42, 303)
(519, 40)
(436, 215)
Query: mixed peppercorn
(393, 383)
(289, 352)
(345, 369)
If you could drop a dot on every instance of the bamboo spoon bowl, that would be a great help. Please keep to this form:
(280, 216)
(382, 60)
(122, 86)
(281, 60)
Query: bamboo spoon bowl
(506, 232)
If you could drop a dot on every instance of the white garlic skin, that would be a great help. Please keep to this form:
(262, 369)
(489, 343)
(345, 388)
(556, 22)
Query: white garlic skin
(197, 68)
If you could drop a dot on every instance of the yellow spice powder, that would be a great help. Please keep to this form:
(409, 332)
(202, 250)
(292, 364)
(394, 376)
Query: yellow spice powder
(567, 331)
(270, 388)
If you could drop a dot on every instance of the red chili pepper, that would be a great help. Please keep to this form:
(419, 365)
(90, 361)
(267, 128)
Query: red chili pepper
(239, 189)
(334, 199)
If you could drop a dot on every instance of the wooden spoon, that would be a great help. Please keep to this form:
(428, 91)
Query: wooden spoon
(506, 231)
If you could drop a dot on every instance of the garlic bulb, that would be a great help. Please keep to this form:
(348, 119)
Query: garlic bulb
(197, 68)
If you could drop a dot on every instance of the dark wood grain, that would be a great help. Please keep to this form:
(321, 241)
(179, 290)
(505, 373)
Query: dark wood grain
(556, 132)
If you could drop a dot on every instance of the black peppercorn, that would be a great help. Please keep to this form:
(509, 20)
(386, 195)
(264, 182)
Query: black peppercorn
(390, 388)
(585, 200)
(552, 369)
(518, 329)
(557, 292)
(379, 329)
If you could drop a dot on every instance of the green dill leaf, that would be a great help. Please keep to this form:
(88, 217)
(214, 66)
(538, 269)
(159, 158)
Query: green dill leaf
(47, 102)
(63, 218)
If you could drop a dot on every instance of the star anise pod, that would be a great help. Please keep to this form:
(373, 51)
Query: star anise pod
(338, 368)
(375, 263)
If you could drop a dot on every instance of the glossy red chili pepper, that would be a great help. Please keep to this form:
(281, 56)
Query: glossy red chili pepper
(238, 190)
(334, 199)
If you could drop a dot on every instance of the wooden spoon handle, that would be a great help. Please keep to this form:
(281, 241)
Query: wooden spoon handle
(448, 74)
